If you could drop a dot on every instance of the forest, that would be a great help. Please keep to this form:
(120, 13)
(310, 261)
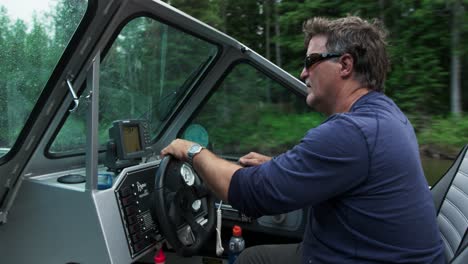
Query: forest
(427, 47)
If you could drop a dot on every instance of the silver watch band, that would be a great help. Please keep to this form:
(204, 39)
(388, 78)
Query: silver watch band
(193, 150)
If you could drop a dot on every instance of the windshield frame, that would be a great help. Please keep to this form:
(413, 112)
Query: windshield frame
(195, 79)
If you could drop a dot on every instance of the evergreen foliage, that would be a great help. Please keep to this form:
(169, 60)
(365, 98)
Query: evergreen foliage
(419, 46)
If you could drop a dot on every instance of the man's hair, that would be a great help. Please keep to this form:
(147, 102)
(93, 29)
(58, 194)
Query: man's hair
(364, 40)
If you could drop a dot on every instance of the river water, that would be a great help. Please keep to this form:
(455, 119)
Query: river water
(435, 168)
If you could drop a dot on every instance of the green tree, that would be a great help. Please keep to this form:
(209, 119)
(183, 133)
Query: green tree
(457, 11)
(204, 10)
(419, 47)
(5, 70)
(65, 18)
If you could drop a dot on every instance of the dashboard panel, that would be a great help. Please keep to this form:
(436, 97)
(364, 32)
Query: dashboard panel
(134, 195)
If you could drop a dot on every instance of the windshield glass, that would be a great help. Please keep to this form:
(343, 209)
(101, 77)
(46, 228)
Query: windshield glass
(33, 36)
(145, 74)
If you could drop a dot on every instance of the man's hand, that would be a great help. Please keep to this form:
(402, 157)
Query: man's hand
(178, 148)
(253, 159)
(216, 172)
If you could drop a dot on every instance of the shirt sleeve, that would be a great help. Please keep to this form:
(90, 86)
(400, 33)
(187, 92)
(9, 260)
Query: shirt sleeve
(329, 161)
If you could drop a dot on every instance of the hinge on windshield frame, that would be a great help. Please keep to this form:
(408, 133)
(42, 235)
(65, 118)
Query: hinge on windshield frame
(72, 91)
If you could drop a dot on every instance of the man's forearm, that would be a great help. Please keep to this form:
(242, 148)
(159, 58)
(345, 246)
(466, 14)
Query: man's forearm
(215, 171)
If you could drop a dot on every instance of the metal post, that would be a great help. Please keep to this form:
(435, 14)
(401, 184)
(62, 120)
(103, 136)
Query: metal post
(92, 125)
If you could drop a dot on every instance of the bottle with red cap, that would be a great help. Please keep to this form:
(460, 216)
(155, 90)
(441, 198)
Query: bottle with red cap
(160, 258)
(236, 244)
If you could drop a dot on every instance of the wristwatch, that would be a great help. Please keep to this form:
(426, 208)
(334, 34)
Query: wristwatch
(193, 150)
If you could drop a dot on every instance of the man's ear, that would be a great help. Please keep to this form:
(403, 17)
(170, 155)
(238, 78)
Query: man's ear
(347, 65)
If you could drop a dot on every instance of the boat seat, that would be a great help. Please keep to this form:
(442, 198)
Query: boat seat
(450, 196)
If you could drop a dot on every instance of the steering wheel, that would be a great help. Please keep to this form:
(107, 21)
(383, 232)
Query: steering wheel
(181, 200)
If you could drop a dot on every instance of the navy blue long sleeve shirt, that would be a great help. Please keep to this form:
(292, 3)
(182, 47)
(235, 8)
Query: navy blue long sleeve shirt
(360, 175)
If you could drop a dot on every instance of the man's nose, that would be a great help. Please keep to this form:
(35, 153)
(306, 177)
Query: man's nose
(304, 74)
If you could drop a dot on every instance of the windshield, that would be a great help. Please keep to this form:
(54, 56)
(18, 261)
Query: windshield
(145, 74)
(33, 36)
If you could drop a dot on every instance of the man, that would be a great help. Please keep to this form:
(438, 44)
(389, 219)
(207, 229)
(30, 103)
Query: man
(358, 173)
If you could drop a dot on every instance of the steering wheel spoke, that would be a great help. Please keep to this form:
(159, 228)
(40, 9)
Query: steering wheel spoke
(201, 191)
(198, 229)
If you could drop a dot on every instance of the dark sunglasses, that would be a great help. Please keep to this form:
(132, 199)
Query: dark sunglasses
(313, 58)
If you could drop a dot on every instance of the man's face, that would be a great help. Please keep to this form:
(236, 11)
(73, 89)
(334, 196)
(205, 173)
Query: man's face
(321, 78)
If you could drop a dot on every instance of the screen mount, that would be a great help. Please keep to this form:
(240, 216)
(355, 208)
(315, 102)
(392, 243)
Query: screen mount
(128, 141)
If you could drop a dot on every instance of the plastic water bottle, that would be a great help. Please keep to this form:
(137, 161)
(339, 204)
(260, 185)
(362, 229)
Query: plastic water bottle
(236, 244)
